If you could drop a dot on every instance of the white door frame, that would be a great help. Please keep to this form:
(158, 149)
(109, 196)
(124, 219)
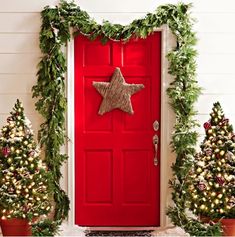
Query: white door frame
(167, 120)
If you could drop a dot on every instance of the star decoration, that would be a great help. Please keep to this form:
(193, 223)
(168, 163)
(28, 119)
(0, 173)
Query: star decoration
(116, 93)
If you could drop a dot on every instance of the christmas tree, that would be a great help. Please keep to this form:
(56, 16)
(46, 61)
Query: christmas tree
(24, 181)
(212, 189)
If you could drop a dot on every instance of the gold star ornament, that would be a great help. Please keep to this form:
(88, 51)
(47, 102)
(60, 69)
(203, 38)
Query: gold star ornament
(116, 93)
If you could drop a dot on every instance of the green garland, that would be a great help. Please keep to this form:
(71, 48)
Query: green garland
(183, 92)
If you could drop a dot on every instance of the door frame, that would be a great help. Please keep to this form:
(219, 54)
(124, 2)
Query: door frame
(168, 41)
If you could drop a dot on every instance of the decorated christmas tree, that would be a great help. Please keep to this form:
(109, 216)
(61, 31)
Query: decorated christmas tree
(24, 190)
(212, 189)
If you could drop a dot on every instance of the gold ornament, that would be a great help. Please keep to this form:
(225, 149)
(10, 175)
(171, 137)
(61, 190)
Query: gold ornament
(217, 150)
(19, 187)
(216, 185)
(199, 170)
(213, 194)
(116, 93)
(216, 201)
(220, 196)
(12, 135)
(222, 152)
(210, 131)
(12, 125)
(202, 207)
(20, 134)
(9, 160)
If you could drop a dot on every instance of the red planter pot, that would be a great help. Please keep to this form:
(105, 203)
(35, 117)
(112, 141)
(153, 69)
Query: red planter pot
(228, 226)
(15, 227)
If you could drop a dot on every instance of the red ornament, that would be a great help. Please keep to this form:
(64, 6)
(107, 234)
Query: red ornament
(207, 125)
(225, 121)
(5, 151)
(201, 186)
(208, 152)
(32, 153)
(231, 202)
(220, 180)
(233, 137)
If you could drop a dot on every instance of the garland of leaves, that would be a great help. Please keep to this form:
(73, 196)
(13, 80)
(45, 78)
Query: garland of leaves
(183, 93)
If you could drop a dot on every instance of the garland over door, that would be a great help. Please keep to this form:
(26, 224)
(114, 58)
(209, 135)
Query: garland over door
(117, 182)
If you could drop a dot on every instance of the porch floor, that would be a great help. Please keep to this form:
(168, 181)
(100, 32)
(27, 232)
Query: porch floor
(79, 231)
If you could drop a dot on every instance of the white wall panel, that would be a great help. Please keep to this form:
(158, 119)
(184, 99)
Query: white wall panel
(215, 63)
(216, 43)
(25, 5)
(116, 6)
(19, 63)
(215, 22)
(217, 83)
(16, 83)
(19, 43)
(19, 22)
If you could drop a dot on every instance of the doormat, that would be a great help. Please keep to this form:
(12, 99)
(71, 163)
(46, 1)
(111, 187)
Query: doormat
(118, 233)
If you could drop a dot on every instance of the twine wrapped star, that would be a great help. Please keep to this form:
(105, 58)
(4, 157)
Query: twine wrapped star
(116, 93)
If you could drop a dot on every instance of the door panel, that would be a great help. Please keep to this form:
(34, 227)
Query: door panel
(116, 182)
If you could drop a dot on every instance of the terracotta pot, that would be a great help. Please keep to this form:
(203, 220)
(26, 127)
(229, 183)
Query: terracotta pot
(228, 226)
(15, 227)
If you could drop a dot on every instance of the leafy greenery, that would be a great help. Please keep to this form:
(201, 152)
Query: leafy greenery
(45, 227)
(183, 92)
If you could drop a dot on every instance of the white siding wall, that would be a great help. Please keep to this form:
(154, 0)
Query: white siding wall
(19, 51)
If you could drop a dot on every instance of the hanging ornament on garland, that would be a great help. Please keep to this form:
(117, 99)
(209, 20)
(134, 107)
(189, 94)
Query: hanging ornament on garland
(116, 93)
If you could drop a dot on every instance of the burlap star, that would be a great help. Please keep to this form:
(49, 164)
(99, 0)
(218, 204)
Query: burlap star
(116, 93)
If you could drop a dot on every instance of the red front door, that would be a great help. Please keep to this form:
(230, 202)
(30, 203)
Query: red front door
(116, 182)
